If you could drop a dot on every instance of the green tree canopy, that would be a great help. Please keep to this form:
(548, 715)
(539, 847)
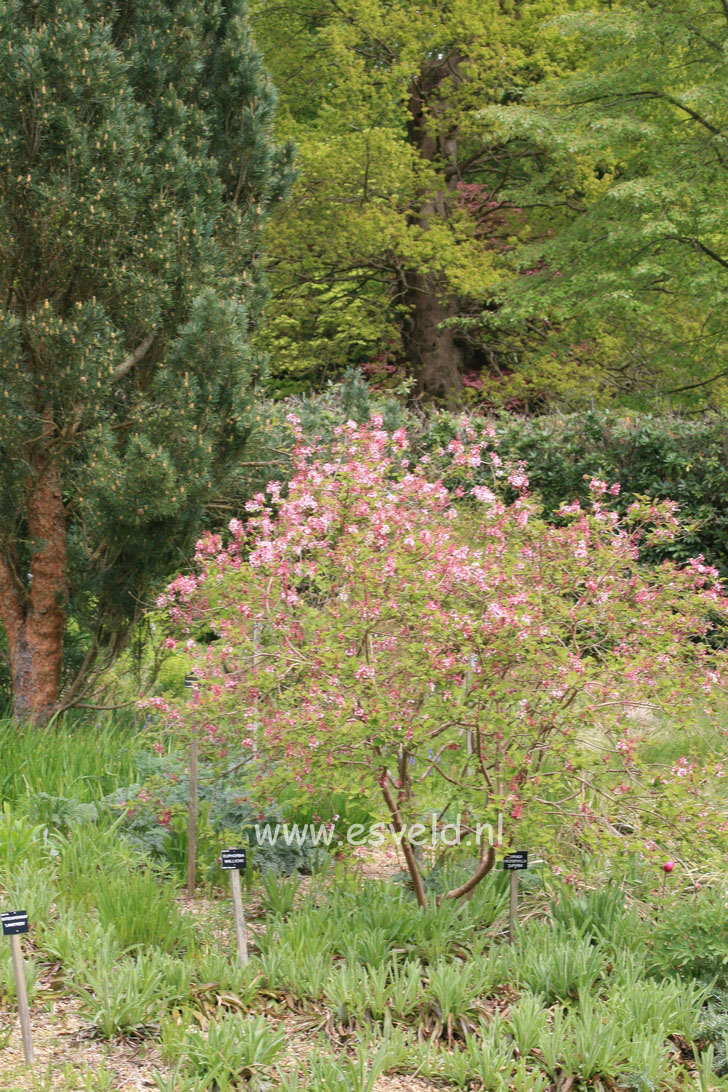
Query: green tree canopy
(388, 254)
(634, 146)
(137, 168)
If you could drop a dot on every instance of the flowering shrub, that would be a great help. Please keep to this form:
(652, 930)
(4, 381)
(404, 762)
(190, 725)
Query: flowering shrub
(403, 629)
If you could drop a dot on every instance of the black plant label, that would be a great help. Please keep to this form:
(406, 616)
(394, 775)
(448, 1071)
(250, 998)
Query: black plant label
(233, 858)
(516, 862)
(14, 923)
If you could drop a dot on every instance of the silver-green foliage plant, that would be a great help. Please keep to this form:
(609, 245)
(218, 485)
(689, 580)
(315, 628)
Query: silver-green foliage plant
(233, 1049)
(127, 996)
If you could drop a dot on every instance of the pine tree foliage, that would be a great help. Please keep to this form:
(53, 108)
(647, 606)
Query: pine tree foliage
(137, 168)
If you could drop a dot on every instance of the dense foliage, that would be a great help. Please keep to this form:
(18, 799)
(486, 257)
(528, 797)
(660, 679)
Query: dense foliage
(520, 203)
(137, 169)
(632, 142)
(666, 457)
(388, 253)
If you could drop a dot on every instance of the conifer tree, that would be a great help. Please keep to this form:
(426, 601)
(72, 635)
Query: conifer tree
(136, 170)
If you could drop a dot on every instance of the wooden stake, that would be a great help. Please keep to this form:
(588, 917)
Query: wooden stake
(239, 916)
(22, 993)
(192, 822)
(513, 909)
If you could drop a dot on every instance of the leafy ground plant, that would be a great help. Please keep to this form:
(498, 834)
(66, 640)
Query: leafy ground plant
(126, 997)
(140, 906)
(232, 1050)
(690, 937)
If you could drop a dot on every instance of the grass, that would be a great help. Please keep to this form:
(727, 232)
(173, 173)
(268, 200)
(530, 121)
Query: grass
(78, 759)
(587, 996)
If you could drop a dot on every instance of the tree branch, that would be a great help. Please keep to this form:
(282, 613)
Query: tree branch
(660, 95)
(409, 855)
(139, 353)
(697, 245)
(480, 873)
(701, 383)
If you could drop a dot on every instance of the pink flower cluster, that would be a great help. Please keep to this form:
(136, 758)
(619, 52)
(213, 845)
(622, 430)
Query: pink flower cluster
(380, 628)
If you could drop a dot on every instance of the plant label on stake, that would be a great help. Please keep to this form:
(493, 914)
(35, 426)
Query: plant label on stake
(190, 681)
(514, 863)
(234, 861)
(192, 819)
(13, 925)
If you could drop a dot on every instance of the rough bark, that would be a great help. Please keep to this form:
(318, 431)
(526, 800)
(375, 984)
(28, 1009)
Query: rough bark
(432, 349)
(33, 614)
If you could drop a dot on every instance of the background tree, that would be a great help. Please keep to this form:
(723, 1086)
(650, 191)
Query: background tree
(392, 237)
(137, 168)
(635, 283)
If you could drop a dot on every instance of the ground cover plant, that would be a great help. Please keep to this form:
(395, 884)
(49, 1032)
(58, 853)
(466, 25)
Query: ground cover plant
(615, 981)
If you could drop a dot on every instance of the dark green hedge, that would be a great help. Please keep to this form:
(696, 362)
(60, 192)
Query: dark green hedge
(662, 457)
(685, 460)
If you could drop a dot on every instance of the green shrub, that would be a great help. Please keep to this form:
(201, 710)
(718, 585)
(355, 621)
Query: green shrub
(7, 977)
(690, 938)
(123, 997)
(279, 893)
(30, 887)
(451, 989)
(60, 812)
(657, 456)
(712, 1027)
(216, 970)
(89, 855)
(76, 938)
(527, 1021)
(226, 813)
(74, 758)
(557, 964)
(325, 1073)
(20, 839)
(600, 915)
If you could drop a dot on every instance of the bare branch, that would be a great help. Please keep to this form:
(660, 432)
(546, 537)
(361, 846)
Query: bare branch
(697, 245)
(480, 873)
(139, 353)
(412, 866)
(701, 383)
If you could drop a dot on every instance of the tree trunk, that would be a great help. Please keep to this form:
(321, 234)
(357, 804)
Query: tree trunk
(435, 357)
(432, 351)
(33, 613)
